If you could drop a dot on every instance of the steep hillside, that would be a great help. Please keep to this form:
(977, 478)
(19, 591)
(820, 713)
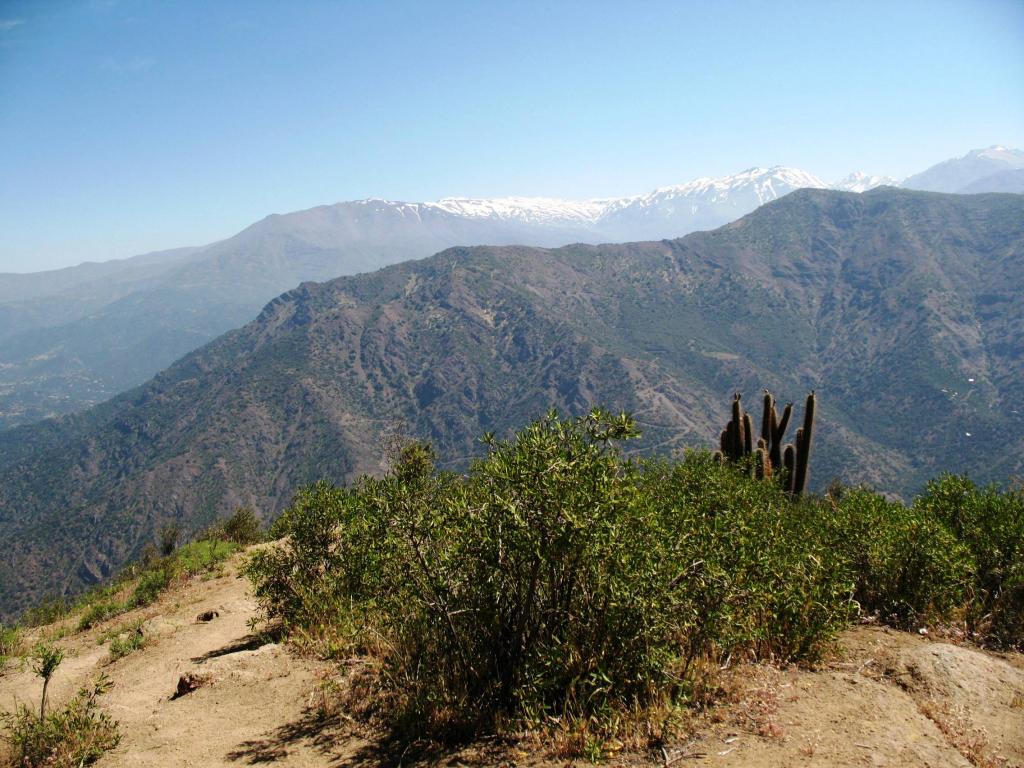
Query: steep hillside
(901, 308)
(75, 337)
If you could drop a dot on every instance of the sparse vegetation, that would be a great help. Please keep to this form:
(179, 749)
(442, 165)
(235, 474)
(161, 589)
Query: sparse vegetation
(141, 583)
(10, 644)
(558, 582)
(72, 736)
(124, 639)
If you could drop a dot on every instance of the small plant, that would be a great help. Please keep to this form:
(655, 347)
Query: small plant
(99, 611)
(45, 660)
(241, 527)
(151, 583)
(73, 736)
(124, 639)
(10, 644)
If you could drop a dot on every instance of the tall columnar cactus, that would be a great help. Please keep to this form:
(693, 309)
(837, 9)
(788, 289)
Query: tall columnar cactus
(770, 457)
(803, 447)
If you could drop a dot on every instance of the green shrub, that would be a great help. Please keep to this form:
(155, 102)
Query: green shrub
(758, 574)
(151, 583)
(170, 534)
(203, 556)
(556, 579)
(306, 583)
(241, 527)
(72, 736)
(908, 567)
(10, 644)
(990, 524)
(99, 611)
(127, 640)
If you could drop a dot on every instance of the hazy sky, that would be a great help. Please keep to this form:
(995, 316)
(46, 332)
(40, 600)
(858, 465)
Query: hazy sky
(134, 126)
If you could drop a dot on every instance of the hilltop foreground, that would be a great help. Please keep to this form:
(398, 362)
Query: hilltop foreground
(885, 698)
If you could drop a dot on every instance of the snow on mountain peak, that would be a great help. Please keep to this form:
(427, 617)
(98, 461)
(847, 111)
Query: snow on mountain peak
(705, 202)
(862, 182)
(531, 209)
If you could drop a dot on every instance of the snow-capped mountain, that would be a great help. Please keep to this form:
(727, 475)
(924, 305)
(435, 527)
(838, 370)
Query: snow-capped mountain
(526, 210)
(980, 170)
(666, 212)
(862, 182)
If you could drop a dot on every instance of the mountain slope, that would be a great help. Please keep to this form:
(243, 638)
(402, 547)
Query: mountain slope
(967, 174)
(75, 337)
(900, 307)
(1011, 181)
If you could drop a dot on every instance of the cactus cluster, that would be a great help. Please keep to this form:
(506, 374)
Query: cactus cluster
(771, 458)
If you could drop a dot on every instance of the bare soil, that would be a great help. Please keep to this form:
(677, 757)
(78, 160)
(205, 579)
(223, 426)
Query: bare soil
(888, 699)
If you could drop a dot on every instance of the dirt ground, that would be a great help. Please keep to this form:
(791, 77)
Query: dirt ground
(888, 699)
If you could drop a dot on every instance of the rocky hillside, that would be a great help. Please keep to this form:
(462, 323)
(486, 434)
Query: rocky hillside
(901, 308)
(74, 337)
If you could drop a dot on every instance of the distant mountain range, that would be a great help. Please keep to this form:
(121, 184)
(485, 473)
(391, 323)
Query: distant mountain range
(901, 308)
(996, 169)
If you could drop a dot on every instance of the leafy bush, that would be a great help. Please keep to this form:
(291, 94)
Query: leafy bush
(98, 611)
(74, 735)
(556, 579)
(128, 640)
(241, 527)
(990, 524)
(169, 536)
(908, 567)
(10, 644)
(151, 583)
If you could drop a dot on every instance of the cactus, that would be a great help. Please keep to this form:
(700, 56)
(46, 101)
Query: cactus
(803, 455)
(789, 461)
(771, 459)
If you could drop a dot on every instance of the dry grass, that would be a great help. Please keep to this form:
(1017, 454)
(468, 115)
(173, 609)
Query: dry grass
(754, 697)
(968, 739)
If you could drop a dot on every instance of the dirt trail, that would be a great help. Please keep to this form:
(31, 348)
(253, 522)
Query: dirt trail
(892, 699)
(254, 706)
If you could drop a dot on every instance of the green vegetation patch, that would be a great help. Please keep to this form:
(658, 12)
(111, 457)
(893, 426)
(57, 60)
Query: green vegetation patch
(74, 735)
(558, 582)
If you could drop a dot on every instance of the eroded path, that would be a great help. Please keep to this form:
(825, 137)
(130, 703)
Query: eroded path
(257, 702)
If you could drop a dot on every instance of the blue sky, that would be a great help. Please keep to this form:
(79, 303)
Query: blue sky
(131, 126)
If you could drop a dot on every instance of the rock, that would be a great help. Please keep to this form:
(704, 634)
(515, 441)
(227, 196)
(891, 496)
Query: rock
(189, 682)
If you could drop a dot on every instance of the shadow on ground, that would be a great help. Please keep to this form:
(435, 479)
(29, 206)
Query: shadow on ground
(247, 643)
(341, 746)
